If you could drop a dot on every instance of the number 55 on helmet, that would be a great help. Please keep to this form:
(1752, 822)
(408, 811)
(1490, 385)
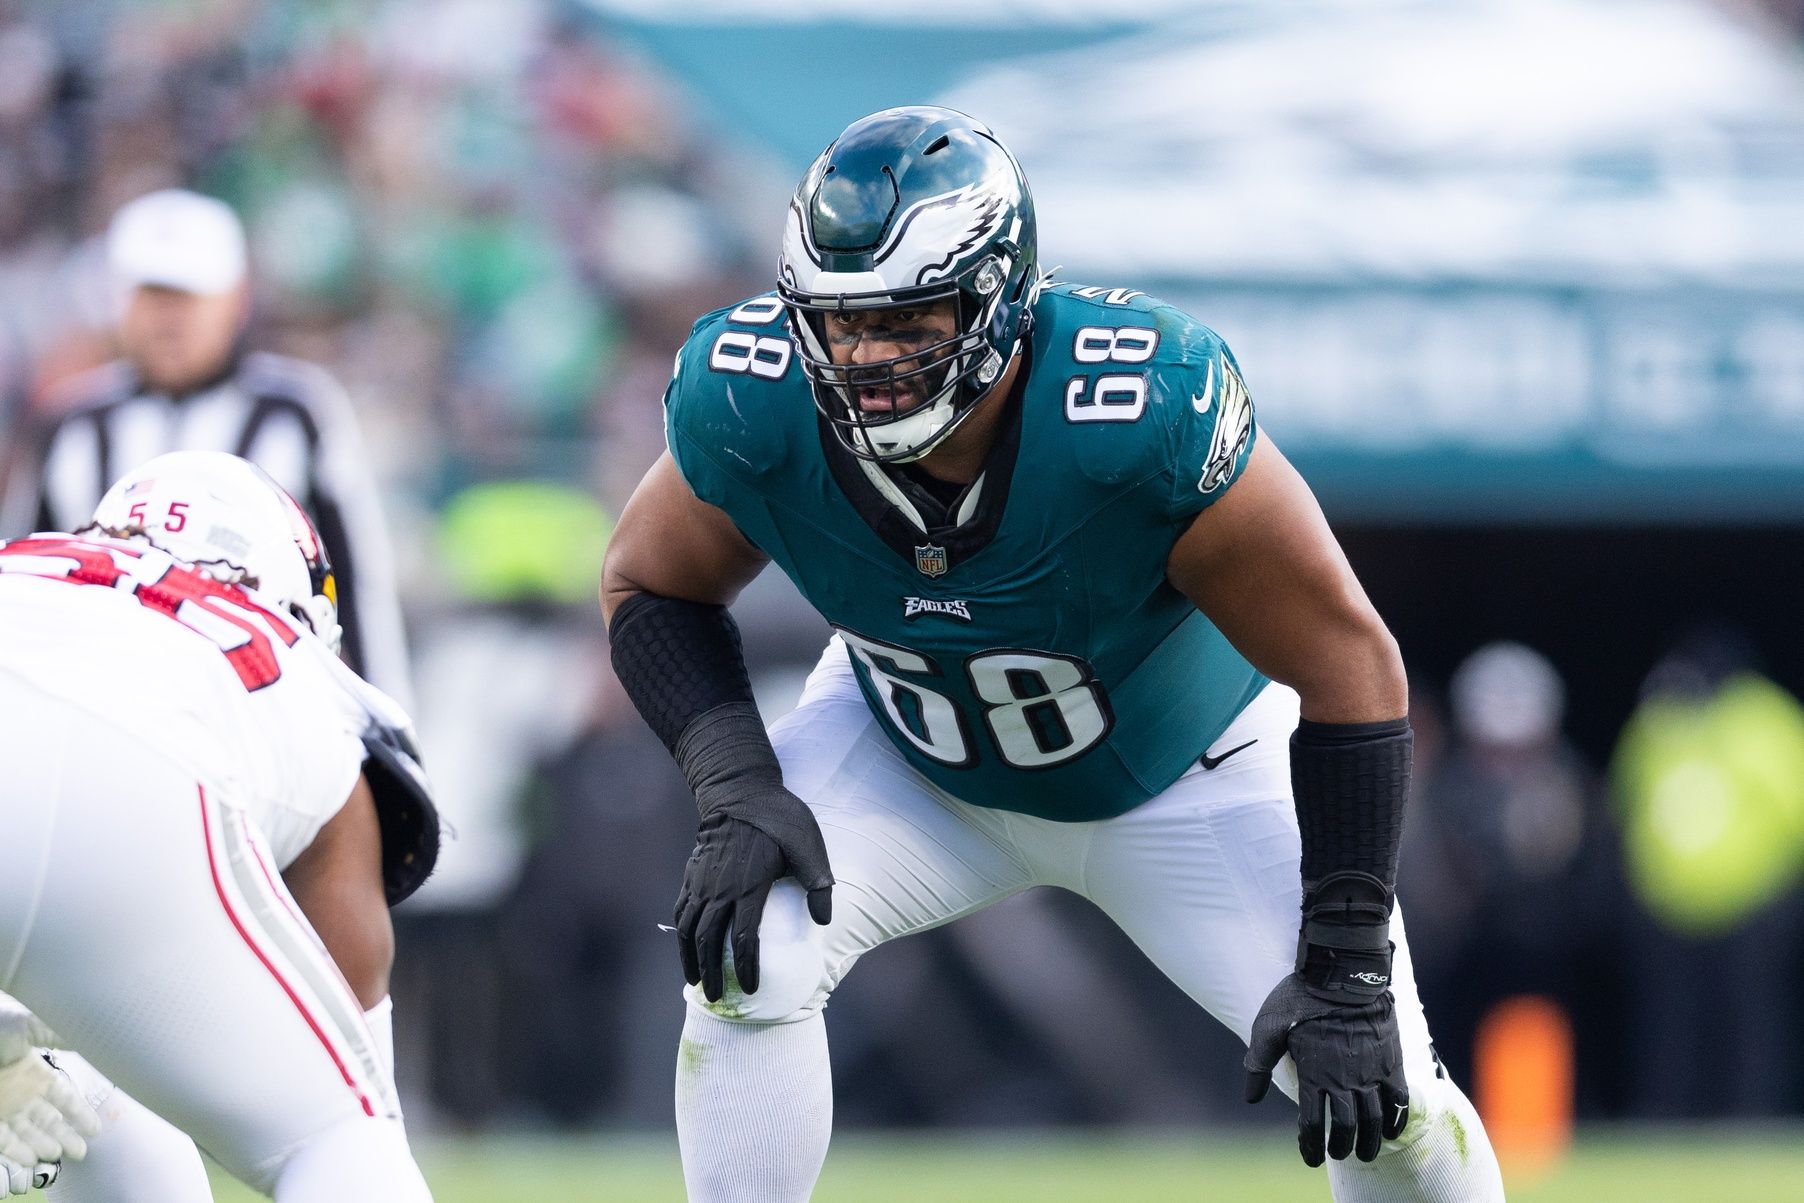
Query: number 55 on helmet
(230, 519)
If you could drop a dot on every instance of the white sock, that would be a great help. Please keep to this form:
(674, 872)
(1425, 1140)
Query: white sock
(359, 1161)
(754, 1108)
(1451, 1161)
(139, 1157)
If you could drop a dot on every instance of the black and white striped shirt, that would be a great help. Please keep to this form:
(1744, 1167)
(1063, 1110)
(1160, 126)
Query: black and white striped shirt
(290, 418)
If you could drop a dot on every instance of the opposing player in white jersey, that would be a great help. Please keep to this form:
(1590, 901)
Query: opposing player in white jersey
(181, 736)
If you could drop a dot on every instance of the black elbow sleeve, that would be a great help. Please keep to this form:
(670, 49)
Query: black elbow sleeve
(677, 660)
(1350, 782)
(681, 663)
(404, 809)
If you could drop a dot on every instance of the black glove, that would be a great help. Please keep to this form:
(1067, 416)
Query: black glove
(1349, 1064)
(1336, 1018)
(742, 849)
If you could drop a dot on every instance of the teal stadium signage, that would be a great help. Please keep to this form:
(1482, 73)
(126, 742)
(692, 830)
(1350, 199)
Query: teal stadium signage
(1484, 403)
(1480, 261)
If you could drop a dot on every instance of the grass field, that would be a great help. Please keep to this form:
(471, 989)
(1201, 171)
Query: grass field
(1651, 1165)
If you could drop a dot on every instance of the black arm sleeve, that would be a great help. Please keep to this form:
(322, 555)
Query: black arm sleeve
(1350, 782)
(681, 663)
(677, 660)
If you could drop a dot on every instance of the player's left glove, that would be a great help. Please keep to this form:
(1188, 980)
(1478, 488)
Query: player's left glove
(1336, 1018)
(15, 1179)
(43, 1117)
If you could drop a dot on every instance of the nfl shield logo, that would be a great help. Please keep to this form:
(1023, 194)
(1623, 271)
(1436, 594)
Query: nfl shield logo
(931, 560)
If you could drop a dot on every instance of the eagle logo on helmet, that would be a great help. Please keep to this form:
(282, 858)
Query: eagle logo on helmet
(963, 220)
(910, 207)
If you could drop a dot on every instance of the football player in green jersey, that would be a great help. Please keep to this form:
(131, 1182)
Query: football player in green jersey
(1092, 631)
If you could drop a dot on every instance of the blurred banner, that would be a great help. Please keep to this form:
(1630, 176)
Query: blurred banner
(1483, 260)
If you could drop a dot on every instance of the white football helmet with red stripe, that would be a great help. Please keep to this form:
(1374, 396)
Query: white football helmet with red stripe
(231, 520)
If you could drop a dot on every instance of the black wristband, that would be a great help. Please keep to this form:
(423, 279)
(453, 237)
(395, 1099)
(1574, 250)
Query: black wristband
(677, 660)
(1350, 781)
(1344, 946)
(726, 757)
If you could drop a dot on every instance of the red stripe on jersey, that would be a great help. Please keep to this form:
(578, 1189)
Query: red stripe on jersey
(282, 897)
(219, 889)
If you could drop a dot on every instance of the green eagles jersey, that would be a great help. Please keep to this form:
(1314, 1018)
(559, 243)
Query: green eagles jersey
(1026, 653)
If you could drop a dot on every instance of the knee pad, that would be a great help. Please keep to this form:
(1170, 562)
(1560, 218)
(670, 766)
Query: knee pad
(792, 965)
(1436, 1101)
(138, 1158)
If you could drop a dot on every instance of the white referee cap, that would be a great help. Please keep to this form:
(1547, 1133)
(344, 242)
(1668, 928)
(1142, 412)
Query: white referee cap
(177, 239)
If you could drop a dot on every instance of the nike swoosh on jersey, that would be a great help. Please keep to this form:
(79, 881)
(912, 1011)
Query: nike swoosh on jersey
(1210, 762)
(1203, 400)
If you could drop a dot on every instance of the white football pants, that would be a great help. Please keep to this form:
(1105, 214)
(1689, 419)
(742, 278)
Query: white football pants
(1204, 878)
(142, 918)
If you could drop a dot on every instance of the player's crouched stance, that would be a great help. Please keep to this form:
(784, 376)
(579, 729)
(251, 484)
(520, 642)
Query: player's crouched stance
(1079, 601)
(192, 774)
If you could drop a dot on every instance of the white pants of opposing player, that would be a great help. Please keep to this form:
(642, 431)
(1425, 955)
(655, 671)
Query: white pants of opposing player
(142, 918)
(1204, 878)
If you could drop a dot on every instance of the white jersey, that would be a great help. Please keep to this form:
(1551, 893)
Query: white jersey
(239, 692)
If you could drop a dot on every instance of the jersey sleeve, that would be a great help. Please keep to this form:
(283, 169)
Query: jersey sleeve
(701, 418)
(682, 418)
(1211, 435)
(321, 749)
(719, 420)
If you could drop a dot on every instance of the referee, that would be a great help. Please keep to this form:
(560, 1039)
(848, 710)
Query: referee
(186, 382)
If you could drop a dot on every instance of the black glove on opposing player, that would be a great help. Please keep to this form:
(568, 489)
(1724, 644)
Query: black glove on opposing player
(742, 849)
(1337, 1020)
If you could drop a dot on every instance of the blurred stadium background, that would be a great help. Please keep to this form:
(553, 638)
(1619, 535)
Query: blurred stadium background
(1518, 283)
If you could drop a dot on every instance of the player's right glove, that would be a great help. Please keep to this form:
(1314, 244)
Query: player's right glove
(1337, 1020)
(681, 663)
(753, 832)
(17, 1180)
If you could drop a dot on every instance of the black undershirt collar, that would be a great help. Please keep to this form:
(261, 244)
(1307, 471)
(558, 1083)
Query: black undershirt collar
(936, 499)
(961, 541)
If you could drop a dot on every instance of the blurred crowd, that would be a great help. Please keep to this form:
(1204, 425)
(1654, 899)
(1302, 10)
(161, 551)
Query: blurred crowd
(493, 223)
(488, 221)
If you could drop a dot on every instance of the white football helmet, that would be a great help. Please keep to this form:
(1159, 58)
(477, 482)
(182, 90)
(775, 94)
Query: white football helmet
(231, 520)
